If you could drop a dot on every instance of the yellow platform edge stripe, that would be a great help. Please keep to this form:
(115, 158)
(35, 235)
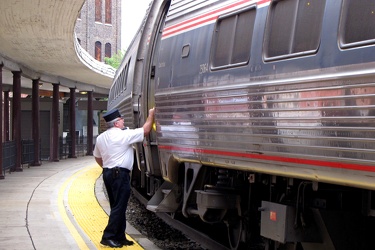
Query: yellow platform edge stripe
(86, 209)
(63, 213)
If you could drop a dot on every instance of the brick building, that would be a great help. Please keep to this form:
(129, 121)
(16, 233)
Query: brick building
(98, 28)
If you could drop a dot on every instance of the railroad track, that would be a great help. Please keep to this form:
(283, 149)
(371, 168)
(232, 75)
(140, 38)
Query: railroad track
(192, 233)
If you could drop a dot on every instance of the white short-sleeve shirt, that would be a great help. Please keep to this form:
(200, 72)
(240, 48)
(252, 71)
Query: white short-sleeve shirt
(114, 146)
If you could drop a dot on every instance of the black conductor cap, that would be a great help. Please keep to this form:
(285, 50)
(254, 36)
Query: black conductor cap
(111, 115)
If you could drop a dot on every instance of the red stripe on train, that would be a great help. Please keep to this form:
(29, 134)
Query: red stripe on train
(174, 28)
(318, 163)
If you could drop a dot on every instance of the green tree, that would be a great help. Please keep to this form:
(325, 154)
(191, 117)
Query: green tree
(115, 60)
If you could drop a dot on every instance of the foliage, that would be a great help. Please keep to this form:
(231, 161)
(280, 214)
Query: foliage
(115, 60)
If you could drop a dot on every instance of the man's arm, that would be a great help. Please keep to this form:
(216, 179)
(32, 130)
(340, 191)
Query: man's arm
(150, 120)
(99, 161)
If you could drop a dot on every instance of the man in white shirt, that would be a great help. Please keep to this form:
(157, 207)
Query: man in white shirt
(114, 153)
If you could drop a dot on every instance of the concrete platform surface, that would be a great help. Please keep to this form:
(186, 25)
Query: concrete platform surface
(58, 205)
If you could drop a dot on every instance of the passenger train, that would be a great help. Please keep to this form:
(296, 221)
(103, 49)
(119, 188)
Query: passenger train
(264, 118)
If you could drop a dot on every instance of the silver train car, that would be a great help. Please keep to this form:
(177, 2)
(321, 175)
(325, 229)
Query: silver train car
(264, 118)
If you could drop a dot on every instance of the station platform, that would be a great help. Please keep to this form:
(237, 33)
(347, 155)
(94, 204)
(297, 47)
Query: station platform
(58, 205)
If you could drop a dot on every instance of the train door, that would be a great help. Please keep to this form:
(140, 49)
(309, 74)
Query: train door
(151, 150)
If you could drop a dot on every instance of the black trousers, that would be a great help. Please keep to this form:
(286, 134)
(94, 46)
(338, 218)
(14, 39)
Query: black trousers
(117, 183)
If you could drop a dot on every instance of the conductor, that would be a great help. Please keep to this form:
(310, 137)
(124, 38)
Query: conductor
(114, 153)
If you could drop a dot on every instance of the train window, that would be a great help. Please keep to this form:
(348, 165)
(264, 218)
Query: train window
(125, 81)
(122, 82)
(117, 83)
(357, 23)
(232, 41)
(293, 28)
(111, 94)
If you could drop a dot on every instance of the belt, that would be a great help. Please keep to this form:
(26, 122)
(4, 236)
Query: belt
(117, 169)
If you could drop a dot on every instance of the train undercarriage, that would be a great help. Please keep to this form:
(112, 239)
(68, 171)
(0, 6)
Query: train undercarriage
(261, 211)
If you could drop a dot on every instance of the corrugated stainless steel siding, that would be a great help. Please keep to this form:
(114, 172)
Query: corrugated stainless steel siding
(126, 110)
(315, 119)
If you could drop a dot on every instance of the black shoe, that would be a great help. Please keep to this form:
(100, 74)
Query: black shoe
(126, 242)
(111, 243)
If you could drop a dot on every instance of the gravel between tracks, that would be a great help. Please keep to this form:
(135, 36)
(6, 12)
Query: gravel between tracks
(155, 229)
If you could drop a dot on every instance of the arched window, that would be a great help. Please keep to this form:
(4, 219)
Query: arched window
(98, 51)
(108, 11)
(98, 10)
(108, 52)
